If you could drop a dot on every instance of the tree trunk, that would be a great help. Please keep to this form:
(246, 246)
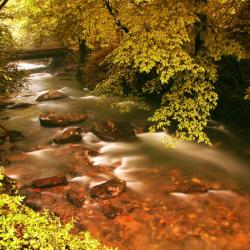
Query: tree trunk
(3, 3)
(84, 52)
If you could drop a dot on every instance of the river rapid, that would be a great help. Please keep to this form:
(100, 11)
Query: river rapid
(158, 210)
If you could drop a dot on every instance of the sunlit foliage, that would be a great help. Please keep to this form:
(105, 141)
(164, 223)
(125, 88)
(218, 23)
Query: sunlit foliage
(166, 51)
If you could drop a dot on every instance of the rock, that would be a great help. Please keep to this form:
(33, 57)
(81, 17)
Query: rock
(5, 102)
(51, 95)
(5, 162)
(113, 131)
(53, 119)
(110, 211)
(187, 186)
(76, 198)
(4, 118)
(20, 105)
(69, 135)
(50, 181)
(111, 188)
(15, 135)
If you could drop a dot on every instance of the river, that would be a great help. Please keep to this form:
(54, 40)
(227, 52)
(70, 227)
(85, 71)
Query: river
(153, 213)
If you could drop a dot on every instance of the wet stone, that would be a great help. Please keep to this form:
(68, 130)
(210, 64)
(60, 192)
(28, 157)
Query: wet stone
(75, 198)
(187, 186)
(113, 131)
(53, 119)
(51, 95)
(4, 102)
(15, 135)
(50, 181)
(69, 135)
(110, 211)
(111, 188)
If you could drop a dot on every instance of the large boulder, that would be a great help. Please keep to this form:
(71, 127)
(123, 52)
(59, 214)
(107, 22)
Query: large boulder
(51, 95)
(113, 131)
(53, 119)
(108, 189)
(69, 135)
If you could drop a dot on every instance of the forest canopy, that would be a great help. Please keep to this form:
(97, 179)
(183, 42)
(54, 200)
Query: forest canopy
(161, 51)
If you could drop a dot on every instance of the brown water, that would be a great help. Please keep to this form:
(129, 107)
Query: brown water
(151, 217)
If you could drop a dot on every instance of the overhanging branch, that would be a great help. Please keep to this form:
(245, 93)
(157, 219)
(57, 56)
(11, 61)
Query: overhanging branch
(114, 14)
(3, 3)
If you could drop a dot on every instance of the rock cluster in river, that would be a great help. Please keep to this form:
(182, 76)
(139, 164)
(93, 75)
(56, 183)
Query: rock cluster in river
(51, 95)
(53, 119)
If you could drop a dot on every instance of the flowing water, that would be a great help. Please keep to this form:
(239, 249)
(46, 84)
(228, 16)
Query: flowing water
(157, 218)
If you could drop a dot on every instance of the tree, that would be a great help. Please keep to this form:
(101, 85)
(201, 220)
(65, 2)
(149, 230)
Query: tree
(3, 3)
(167, 51)
(11, 79)
(176, 46)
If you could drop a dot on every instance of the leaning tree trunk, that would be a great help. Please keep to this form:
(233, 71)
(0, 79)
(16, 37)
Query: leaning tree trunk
(84, 53)
(3, 3)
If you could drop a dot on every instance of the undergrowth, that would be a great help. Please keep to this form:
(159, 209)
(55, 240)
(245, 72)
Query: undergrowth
(23, 228)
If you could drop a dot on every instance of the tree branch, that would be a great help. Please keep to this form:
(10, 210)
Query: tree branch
(114, 14)
(3, 4)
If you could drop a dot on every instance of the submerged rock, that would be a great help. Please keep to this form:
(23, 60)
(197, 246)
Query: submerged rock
(111, 211)
(113, 131)
(8, 185)
(69, 135)
(187, 186)
(108, 189)
(51, 95)
(50, 181)
(15, 135)
(53, 119)
(75, 198)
